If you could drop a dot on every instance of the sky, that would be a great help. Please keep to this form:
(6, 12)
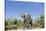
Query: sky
(16, 8)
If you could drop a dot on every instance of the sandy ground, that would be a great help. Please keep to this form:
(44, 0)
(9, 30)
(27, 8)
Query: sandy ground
(14, 30)
(22, 29)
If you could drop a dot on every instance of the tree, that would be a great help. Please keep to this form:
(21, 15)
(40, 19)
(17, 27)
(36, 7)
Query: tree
(27, 20)
(39, 22)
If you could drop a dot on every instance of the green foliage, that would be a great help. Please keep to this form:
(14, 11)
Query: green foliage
(13, 21)
(9, 22)
(39, 22)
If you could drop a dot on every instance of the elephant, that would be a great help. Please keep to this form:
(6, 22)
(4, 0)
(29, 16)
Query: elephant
(27, 20)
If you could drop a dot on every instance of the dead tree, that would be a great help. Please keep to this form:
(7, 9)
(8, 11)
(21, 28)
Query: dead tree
(27, 20)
